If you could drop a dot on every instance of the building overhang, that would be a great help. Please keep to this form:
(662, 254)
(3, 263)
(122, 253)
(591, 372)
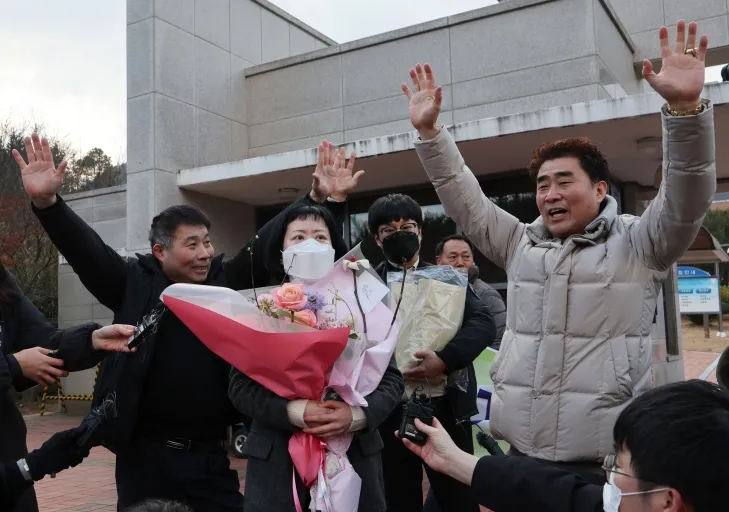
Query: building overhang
(628, 130)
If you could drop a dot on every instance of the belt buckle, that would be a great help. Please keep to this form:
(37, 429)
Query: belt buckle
(177, 443)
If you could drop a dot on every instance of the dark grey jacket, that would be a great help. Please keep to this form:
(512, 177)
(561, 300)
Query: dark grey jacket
(495, 305)
(270, 469)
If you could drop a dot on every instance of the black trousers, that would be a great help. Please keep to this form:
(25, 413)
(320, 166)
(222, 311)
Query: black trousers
(200, 478)
(403, 470)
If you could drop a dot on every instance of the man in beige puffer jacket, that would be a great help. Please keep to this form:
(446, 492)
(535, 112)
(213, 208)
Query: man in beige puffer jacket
(583, 280)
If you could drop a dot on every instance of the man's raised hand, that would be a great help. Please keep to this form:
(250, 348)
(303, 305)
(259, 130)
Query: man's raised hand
(682, 74)
(334, 177)
(425, 102)
(41, 179)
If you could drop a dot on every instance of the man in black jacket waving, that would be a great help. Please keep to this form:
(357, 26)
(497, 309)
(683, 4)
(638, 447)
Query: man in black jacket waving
(172, 400)
(396, 223)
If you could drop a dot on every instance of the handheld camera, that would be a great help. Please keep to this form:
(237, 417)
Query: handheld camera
(418, 406)
(147, 326)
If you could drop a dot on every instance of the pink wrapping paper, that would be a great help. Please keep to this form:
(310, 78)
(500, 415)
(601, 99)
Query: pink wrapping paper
(289, 359)
(294, 361)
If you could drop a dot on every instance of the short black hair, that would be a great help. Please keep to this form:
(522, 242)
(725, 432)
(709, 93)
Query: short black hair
(166, 223)
(592, 160)
(678, 436)
(278, 233)
(441, 245)
(392, 208)
(725, 73)
(159, 506)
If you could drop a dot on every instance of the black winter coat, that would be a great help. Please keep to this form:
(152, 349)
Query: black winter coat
(476, 333)
(518, 484)
(22, 327)
(270, 469)
(130, 288)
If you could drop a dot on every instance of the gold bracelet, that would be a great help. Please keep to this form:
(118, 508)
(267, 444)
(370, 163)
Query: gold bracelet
(691, 112)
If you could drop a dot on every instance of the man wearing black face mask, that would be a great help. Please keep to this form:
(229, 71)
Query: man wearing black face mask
(395, 221)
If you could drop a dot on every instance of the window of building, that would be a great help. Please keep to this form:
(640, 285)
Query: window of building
(523, 206)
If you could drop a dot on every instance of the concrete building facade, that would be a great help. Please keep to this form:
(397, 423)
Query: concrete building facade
(227, 100)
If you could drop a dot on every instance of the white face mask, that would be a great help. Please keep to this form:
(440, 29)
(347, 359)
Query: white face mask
(309, 260)
(612, 495)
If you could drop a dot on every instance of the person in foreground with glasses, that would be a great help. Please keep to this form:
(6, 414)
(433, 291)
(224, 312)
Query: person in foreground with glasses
(671, 455)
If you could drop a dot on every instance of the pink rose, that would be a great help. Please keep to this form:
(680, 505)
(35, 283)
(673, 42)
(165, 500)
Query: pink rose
(289, 296)
(305, 317)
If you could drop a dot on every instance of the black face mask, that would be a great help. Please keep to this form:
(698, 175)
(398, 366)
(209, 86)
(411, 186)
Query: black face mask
(401, 247)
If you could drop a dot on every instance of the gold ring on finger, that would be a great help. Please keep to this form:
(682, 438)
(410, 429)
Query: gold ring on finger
(693, 51)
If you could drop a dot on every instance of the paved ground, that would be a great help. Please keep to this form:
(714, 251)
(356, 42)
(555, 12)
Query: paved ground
(90, 486)
(695, 363)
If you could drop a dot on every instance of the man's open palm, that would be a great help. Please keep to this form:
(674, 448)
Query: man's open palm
(425, 102)
(41, 179)
(682, 75)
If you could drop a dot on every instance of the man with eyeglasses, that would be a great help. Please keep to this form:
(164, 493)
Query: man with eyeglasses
(672, 455)
(395, 222)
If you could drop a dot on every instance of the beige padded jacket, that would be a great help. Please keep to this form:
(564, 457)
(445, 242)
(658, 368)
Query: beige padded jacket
(577, 345)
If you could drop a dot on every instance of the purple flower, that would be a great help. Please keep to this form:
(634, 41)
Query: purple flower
(314, 301)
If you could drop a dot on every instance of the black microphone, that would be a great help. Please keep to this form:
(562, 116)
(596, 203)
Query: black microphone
(472, 274)
(489, 443)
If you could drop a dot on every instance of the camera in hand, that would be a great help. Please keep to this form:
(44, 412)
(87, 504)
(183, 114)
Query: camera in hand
(418, 406)
(147, 326)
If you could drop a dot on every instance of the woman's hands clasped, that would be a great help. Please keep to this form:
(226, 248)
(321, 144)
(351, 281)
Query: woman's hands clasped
(328, 419)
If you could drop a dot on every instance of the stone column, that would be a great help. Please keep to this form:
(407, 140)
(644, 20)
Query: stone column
(186, 101)
(185, 98)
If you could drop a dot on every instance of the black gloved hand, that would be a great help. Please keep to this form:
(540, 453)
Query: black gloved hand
(58, 453)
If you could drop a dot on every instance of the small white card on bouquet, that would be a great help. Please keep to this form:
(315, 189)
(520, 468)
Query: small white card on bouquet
(370, 290)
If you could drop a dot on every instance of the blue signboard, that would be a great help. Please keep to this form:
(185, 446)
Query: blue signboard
(699, 295)
(692, 272)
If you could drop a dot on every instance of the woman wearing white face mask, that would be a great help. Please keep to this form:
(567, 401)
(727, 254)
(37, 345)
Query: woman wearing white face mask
(307, 241)
(303, 245)
(673, 456)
